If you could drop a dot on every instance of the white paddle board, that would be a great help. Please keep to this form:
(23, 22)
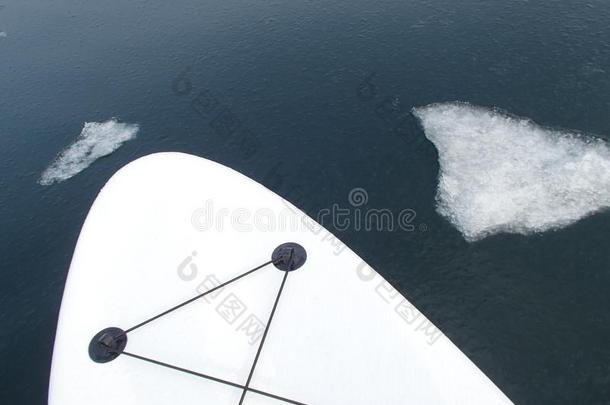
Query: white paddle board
(309, 324)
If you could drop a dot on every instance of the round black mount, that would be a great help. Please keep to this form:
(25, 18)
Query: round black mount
(107, 345)
(289, 256)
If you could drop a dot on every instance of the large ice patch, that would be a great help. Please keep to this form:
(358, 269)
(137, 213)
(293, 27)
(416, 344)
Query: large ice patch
(97, 139)
(500, 173)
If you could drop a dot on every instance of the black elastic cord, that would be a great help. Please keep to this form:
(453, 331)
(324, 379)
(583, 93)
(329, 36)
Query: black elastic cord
(246, 387)
(194, 299)
(184, 370)
(260, 347)
(209, 377)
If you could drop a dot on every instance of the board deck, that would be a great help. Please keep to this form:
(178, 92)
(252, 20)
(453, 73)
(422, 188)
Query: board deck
(170, 226)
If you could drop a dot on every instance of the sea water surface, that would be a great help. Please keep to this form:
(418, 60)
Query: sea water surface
(314, 99)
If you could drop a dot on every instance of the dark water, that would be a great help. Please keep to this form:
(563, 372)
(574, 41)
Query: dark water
(532, 312)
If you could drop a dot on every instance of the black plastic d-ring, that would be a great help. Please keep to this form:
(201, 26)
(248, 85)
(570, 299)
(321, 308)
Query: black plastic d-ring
(289, 256)
(107, 345)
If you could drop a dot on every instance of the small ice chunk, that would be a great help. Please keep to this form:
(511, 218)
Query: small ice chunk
(97, 139)
(500, 173)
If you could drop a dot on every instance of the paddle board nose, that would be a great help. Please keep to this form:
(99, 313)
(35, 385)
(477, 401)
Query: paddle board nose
(194, 320)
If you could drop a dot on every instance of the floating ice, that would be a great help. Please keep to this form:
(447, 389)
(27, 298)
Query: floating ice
(97, 139)
(3, 34)
(500, 173)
